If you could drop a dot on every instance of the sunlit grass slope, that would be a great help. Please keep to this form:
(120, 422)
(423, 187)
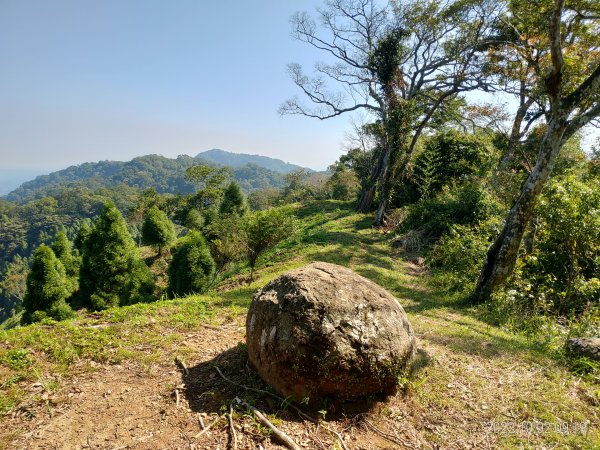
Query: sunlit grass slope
(470, 376)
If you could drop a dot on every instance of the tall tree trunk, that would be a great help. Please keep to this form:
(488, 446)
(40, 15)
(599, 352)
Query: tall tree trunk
(386, 183)
(502, 255)
(383, 204)
(367, 195)
(390, 177)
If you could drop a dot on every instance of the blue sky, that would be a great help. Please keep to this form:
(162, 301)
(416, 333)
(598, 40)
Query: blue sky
(113, 79)
(85, 80)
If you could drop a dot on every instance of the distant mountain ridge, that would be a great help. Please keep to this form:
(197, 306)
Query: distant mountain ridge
(230, 159)
(166, 175)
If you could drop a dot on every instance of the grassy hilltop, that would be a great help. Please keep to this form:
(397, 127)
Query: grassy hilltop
(116, 379)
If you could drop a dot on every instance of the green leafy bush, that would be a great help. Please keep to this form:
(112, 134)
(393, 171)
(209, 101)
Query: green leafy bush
(557, 273)
(226, 239)
(192, 267)
(564, 264)
(451, 157)
(17, 359)
(468, 205)
(262, 230)
(457, 257)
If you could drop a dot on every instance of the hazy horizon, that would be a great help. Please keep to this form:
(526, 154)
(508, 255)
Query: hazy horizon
(11, 179)
(95, 81)
(89, 81)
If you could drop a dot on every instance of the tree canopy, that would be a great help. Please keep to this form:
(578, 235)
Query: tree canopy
(47, 288)
(112, 272)
(234, 201)
(157, 230)
(192, 267)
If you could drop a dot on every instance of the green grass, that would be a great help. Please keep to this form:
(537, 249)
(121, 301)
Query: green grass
(469, 370)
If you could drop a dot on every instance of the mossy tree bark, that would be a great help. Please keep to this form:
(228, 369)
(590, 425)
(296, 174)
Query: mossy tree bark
(570, 106)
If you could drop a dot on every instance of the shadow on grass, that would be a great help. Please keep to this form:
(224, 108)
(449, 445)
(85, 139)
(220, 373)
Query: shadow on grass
(325, 207)
(480, 339)
(240, 296)
(350, 256)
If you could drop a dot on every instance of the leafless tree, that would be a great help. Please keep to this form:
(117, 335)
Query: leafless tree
(436, 56)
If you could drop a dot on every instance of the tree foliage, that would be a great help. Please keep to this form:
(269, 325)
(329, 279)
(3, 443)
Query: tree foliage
(13, 286)
(234, 201)
(565, 259)
(264, 229)
(264, 199)
(210, 182)
(343, 183)
(227, 239)
(192, 267)
(112, 272)
(47, 288)
(157, 230)
(451, 157)
(63, 249)
(559, 42)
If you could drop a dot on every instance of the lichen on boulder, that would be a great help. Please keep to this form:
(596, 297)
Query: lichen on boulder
(323, 331)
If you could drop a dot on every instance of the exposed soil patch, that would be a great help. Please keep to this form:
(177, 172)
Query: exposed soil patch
(131, 406)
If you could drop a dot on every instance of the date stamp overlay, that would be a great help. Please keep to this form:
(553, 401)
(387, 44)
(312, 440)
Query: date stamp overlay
(527, 427)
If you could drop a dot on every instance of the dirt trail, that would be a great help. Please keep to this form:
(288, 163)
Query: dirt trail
(134, 407)
(125, 406)
(469, 377)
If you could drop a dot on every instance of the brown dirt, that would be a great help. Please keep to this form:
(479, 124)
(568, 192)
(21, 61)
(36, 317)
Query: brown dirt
(130, 406)
(133, 406)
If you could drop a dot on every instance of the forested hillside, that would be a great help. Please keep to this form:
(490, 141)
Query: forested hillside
(230, 159)
(165, 175)
(66, 200)
(481, 218)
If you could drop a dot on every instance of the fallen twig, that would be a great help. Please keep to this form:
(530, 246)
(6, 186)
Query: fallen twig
(201, 421)
(275, 396)
(208, 427)
(232, 428)
(182, 365)
(280, 435)
(177, 397)
(211, 327)
(389, 437)
(339, 436)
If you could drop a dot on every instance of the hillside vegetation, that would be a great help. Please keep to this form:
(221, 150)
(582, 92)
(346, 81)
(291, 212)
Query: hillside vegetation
(123, 293)
(230, 159)
(475, 385)
(32, 214)
(165, 175)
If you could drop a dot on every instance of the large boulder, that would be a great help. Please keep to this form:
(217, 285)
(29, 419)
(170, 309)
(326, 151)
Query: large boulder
(324, 331)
